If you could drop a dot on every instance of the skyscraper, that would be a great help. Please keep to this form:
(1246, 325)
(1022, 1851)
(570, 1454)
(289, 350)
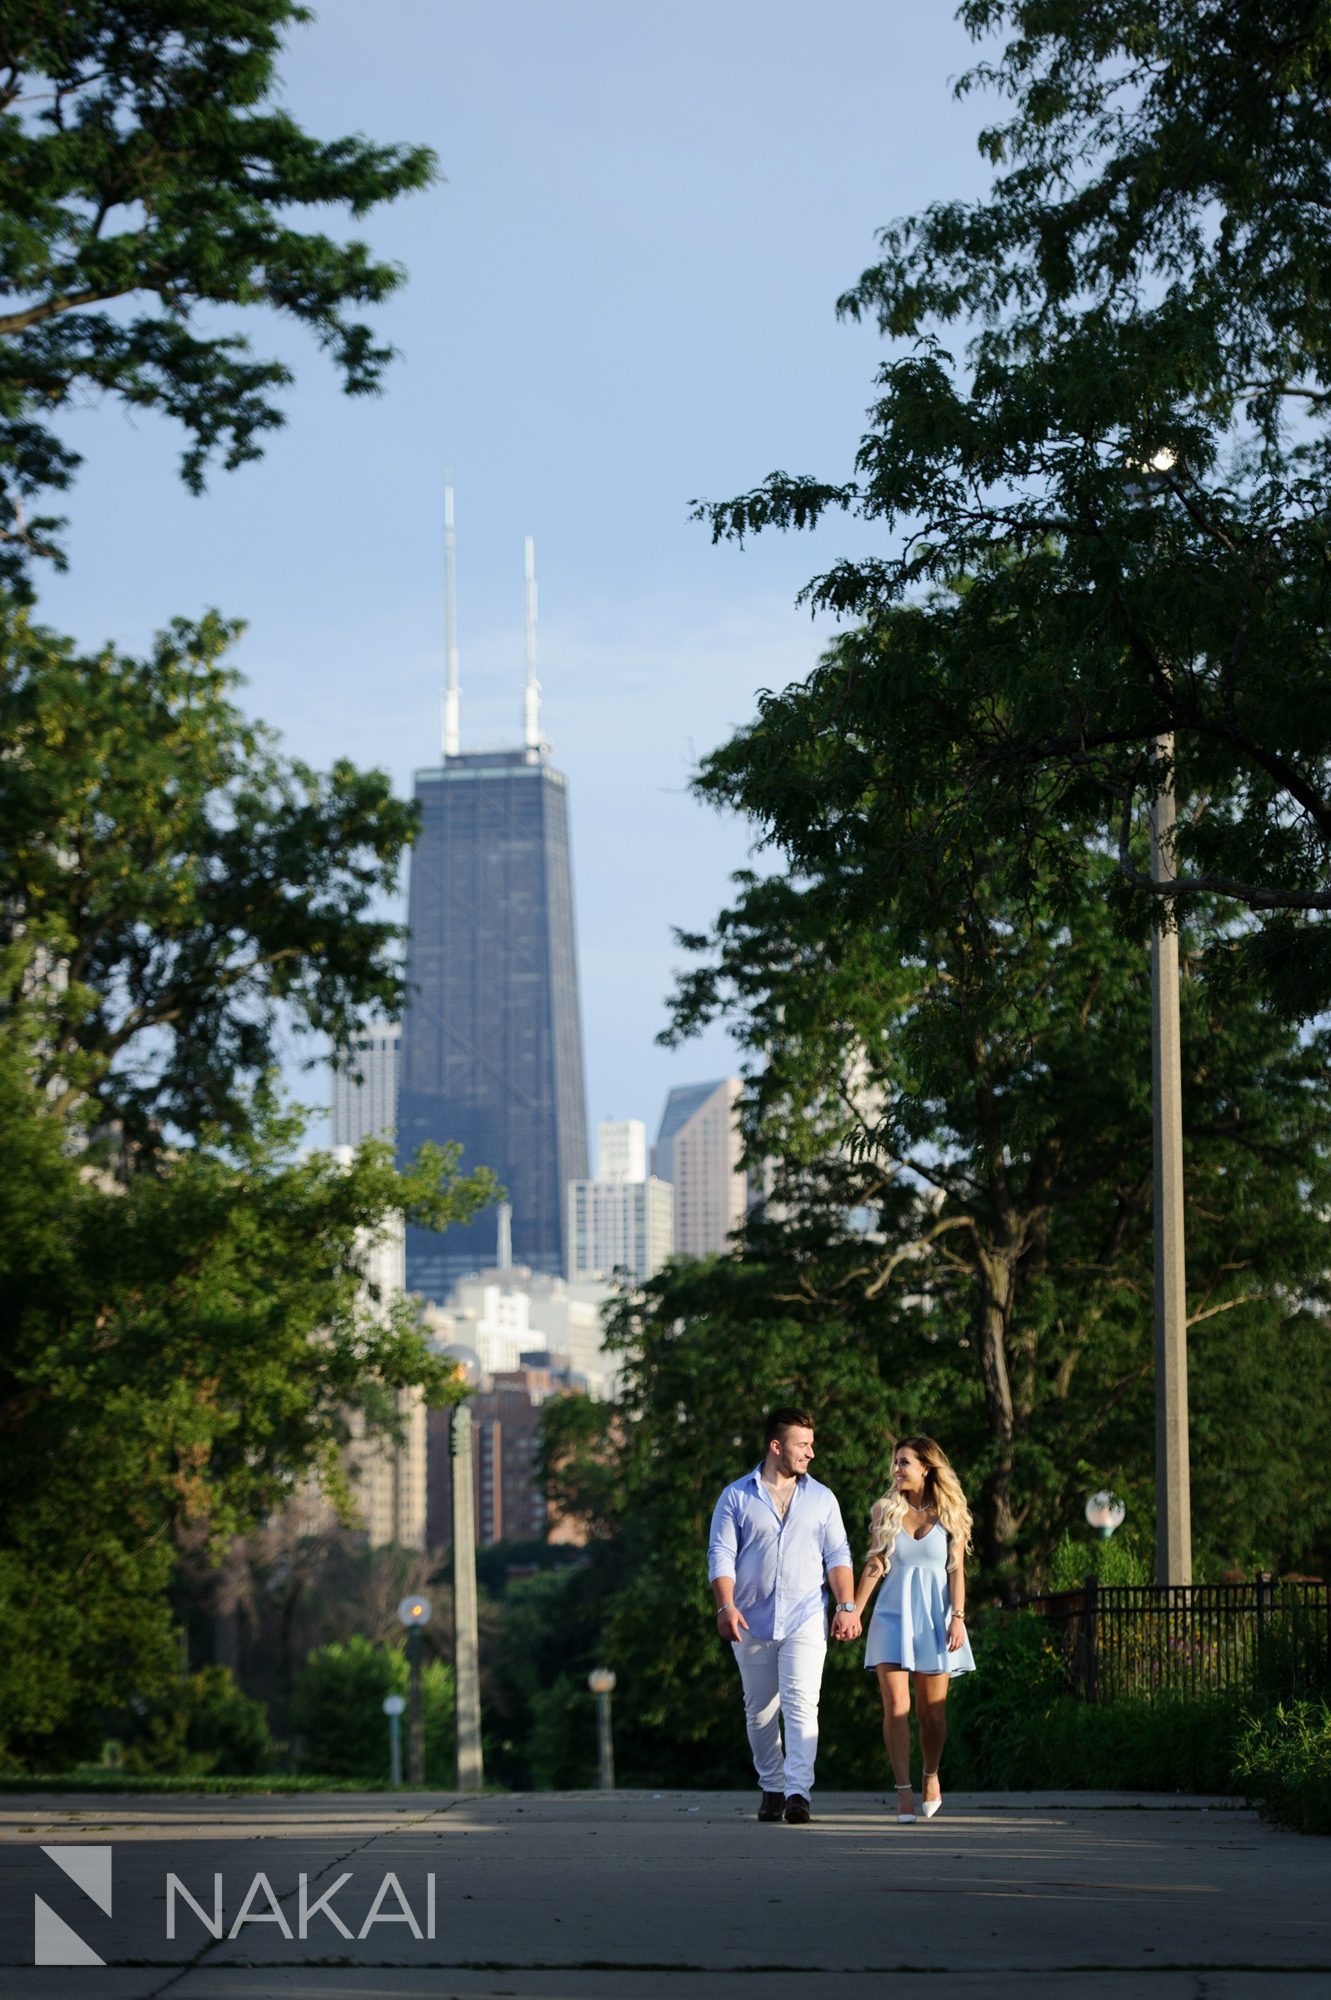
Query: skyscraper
(698, 1150)
(365, 1086)
(492, 1035)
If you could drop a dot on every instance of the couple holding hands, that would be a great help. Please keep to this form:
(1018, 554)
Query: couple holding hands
(776, 1535)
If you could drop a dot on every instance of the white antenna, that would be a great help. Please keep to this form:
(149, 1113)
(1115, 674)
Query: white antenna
(531, 705)
(452, 698)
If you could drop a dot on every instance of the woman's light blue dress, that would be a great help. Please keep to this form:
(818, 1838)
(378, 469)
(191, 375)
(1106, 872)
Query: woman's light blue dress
(909, 1624)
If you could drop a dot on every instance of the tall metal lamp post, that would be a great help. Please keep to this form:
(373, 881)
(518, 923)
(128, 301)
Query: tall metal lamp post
(414, 1613)
(601, 1681)
(466, 1645)
(1173, 1507)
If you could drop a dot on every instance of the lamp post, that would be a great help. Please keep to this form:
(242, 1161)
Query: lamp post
(414, 1613)
(466, 1644)
(1173, 1507)
(393, 1707)
(601, 1681)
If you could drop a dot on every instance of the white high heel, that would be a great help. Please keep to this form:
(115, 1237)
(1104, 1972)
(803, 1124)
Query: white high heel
(906, 1818)
(929, 1807)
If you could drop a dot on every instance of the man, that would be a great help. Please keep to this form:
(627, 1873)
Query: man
(776, 1534)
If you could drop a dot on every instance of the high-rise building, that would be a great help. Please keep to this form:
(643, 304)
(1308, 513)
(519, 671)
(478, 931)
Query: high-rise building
(699, 1151)
(619, 1225)
(388, 1475)
(365, 1086)
(492, 1035)
(621, 1150)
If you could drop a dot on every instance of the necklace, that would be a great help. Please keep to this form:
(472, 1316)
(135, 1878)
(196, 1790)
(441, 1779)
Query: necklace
(783, 1506)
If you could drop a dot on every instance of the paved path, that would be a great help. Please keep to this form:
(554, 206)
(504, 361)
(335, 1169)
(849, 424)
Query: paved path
(669, 1896)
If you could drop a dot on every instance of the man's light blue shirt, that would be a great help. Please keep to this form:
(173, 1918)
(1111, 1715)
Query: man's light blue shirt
(778, 1566)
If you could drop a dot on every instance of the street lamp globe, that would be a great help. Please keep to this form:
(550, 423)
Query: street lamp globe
(1105, 1512)
(413, 1612)
(601, 1680)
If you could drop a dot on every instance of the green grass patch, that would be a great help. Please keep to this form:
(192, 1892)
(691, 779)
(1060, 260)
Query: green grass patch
(101, 1780)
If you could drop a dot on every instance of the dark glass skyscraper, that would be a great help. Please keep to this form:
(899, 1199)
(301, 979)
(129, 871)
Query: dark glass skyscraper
(492, 1036)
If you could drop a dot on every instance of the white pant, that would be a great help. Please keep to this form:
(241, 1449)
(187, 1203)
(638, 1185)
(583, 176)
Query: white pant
(782, 1679)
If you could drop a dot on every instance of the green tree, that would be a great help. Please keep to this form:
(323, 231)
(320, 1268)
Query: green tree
(1105, 408)
(149, 180)
(181, 1355)
(339, 1710)
(186, 1319)
(175, 892)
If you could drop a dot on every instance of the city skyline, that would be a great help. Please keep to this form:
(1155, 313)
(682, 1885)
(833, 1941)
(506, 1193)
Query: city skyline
(674, 335)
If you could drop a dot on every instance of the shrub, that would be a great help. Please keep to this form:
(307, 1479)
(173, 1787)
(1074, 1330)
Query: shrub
(1110, 1561)
(1283, 1761)
(205, 1727)
(339, 1714)
(1014, 1726)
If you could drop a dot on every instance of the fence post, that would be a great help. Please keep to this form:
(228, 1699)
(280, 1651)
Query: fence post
(1090, 1638)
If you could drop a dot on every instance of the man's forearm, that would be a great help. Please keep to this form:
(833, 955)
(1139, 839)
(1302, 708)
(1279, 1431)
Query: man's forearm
(842, 1582)
(723, 1592)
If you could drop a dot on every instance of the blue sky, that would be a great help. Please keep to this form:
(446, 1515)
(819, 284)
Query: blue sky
(621, 297)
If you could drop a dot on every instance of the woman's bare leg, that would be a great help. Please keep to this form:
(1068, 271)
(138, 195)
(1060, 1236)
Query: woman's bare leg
(894, 1687)
(931, 1718)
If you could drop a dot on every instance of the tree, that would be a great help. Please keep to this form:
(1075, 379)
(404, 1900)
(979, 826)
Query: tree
(965, 1057)
(187, 1322)
(181, 1356)
(175, 892)
(147, 180)
(1128, 464)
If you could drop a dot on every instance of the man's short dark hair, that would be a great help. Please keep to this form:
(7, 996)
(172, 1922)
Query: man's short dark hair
(777, 1422)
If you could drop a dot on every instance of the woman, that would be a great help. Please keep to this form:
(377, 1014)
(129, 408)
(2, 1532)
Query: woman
(919, 1534)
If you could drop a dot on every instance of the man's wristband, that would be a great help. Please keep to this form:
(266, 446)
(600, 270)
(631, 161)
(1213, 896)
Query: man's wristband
(850, 1605)
(724, 1607)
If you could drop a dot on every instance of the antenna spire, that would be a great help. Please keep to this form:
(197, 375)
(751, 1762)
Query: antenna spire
(531, 705)
(452, 696)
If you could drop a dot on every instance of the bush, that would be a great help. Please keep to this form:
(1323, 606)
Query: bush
(1014, 1726)
(339, 1711)
(205, 1727)
(1115, 1560)
(1283, 1761)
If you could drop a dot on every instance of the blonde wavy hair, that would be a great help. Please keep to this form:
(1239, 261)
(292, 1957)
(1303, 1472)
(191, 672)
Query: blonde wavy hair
(942, 1492)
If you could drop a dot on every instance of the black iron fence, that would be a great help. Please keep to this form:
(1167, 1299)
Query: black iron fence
(1150, 1639)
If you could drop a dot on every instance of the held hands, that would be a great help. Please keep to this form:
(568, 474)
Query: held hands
(846, 1625)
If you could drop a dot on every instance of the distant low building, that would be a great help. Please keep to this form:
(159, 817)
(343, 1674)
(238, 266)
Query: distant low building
(619, 1226)
(506, 1419)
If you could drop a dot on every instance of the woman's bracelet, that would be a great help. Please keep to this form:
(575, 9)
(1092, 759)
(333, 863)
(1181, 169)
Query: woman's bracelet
(961, 1615)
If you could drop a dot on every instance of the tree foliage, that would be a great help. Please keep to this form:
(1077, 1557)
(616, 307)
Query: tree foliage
(1105, 410)
(176, 892)
(187, 1322)
(150, 180)
(964, 1055)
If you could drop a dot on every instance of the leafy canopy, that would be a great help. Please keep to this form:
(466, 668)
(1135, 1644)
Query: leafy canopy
(175, 890)
(1105, 414)
(149, 180)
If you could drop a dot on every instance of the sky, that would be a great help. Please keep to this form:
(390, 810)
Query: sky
(621, 298)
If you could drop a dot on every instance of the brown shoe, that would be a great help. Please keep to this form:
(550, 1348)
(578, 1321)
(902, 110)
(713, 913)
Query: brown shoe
(770, 1805)
(797, 1810)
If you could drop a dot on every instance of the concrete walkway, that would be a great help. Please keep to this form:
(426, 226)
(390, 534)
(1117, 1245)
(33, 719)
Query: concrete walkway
(640, 1896)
